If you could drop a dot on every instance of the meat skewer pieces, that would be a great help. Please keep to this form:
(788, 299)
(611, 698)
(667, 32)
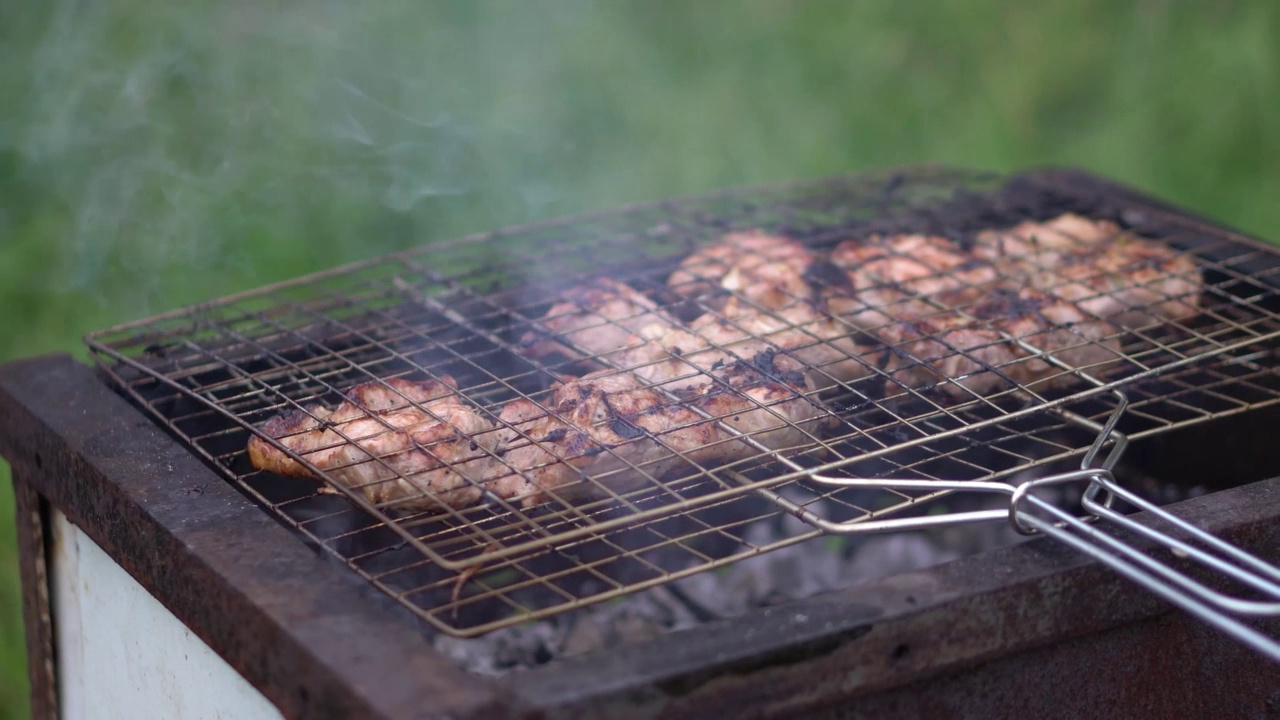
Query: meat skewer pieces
(1110, 274)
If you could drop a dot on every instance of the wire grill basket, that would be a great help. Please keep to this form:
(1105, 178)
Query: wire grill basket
(888, 456)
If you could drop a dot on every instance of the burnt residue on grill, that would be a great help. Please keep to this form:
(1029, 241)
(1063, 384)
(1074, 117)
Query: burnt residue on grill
(207, 375)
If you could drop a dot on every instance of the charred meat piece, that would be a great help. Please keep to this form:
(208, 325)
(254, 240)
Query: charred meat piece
(825, 344)
(611, 431)
(805, 338)
(919, 264)
(1044, 243)
(411, 445)
(968, 345)
(600, 317)
(1110, 274)
(606, 426)
(765, 295)
(676, 359)
(766, 270)
(761, 400)
(890, 275)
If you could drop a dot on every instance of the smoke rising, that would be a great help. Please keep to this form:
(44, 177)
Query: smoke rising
(155, 154)
(176, 153)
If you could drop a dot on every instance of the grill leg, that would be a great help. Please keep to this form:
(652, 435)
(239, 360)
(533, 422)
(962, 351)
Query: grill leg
(32, 514)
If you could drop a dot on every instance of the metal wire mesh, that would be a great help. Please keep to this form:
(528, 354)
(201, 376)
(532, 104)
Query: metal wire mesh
(213, 373)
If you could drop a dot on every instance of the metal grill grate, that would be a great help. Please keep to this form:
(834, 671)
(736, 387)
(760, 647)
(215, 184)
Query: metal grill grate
(214, 372)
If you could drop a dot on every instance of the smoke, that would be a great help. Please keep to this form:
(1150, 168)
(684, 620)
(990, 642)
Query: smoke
(174, 153)
(154, 154)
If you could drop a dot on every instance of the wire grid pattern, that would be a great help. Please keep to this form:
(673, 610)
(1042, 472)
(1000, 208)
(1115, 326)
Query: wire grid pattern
(214, 372)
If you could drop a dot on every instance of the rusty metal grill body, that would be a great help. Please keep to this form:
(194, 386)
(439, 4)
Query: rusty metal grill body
(213, 373)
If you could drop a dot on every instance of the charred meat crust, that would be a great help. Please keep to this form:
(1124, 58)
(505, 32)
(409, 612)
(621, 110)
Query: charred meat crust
(1111, 274)
(602, 425)
(782, 324)
(1064, 285)
(766, 269)
(596, 318)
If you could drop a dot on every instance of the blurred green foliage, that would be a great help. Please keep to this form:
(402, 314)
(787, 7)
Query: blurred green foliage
(156, 154)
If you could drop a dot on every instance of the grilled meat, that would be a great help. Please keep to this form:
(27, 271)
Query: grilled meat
(891, 275)
(409, 444)
(782, 323)
(766, 270)
(824, 343)
(778, 303)
(969, 341)
(805, 338)
(760, 399)
(766, 293)
(1058, 286)
(1044, 243)
(600, 317)
(919, 264)
(606, 426)
(417, 446)
(619, 432)
(1110, 274)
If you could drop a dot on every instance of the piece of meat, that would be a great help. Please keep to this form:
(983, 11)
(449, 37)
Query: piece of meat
(600, 317)
(606, 426)
(405, 445)
(969, 341)
(1044, 243)
(891, 275)
(1126, 279)
(414, 446)
(826, 345)
(761, 399)
(768, 297)
(920, 264)
(806, 339)
(676, 359)
(612, 432)
(766, 270)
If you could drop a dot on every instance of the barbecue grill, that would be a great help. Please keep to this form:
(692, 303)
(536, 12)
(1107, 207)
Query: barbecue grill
(1057, 455)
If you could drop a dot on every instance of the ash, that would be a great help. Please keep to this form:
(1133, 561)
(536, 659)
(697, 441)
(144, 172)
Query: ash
(787, 574)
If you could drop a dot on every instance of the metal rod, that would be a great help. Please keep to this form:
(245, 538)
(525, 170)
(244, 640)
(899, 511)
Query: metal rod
(1211, 606)
(1175, 594)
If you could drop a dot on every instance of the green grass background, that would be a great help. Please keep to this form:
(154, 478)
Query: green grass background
(154, 154)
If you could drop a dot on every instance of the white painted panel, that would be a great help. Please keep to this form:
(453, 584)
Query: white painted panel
(122, 655)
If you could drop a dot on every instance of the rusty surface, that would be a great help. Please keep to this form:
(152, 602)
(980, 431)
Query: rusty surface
(317, 644)
(978, 623)
(30, 521)
(1163, 667)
